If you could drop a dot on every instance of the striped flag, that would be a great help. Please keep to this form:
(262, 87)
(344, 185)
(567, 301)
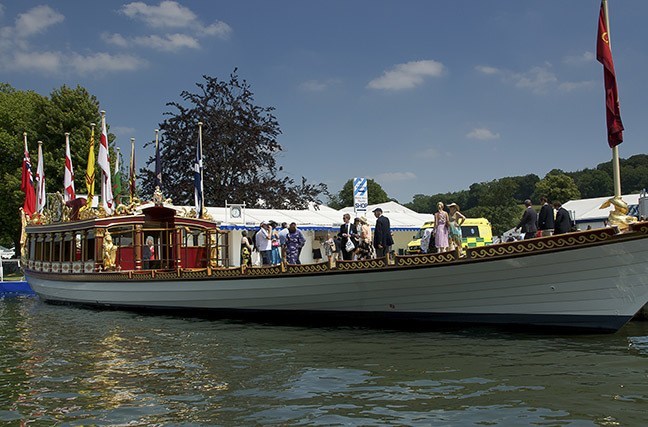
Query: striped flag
(90, 172)
(68, 175)
(27, 184)
(158, 162)
(198, 176)
(103, 160)
(40, 180)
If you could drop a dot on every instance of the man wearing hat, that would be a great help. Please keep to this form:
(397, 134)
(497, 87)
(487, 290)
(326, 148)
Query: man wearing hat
(382, 234)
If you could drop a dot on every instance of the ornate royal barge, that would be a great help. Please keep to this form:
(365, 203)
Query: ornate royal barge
(594, 280)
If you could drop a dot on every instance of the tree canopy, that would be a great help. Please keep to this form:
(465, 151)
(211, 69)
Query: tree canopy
(44, 119)
(239, 150)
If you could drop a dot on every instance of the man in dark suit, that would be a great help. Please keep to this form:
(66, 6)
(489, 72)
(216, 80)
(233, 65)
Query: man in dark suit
(347, 231)
(563, 221)
(382, 234)
(546, 217)
(528, 221)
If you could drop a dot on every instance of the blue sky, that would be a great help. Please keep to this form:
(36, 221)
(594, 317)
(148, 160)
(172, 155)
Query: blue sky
(422, 96)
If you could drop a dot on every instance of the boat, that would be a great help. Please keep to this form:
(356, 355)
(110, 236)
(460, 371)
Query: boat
(594, 280)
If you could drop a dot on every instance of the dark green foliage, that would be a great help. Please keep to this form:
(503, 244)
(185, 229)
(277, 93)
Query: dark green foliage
(45, 119)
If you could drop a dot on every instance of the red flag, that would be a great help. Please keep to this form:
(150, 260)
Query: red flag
(27, 184)
(604, 56)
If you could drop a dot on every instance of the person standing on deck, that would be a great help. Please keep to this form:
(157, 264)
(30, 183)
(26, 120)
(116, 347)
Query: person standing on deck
(528, 221)
(546, 217)
(382, 234)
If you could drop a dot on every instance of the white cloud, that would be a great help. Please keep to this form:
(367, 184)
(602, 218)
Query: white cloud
(539, 79)
(104, 62)
(408, 75)
(123, 131)
(219, 29)
(583, 58)
(36, 20)
(429, 153)
(171, 14)
(395, 176)
(318, 85)
(485, 69)
(115, 39)
(49, 62)
(482, 134)
(169, 43)
(571, 86)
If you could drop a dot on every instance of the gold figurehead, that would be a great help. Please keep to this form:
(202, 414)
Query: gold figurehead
(619, 216)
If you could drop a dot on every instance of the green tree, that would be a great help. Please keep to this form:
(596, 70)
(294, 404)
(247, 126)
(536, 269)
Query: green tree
(495, 201)
(45, 119)
(239, 150)
(593, 183)
(345, 197)
(557, 186)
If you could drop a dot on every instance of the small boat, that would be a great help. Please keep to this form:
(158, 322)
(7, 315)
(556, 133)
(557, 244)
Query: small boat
(594, 280)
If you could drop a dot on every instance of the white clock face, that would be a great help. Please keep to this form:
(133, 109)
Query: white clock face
(235, 212)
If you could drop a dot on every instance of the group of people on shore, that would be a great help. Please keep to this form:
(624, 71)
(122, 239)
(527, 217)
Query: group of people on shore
(551, 220)
(274, 244)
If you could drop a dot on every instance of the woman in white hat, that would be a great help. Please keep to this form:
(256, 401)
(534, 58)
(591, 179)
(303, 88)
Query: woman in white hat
(456, 219)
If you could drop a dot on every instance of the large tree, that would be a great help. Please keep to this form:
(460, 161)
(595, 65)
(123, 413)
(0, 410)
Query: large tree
(239, 150)
(557, 186)
(45, 119)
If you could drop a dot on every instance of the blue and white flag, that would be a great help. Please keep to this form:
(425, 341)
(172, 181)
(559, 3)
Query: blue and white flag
(360, 195)
(198, 182)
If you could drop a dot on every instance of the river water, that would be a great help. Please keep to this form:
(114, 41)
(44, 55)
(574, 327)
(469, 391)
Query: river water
(62, 365)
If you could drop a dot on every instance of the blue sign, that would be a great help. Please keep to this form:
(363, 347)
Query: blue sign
(360, 195)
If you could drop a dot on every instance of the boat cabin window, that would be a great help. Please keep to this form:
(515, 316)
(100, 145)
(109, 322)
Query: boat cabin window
(123, 237)
(47, 255)
(89, 250)
(68, 247)
(56, 247)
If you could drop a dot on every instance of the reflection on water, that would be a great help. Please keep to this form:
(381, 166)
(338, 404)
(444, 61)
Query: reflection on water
(75, 366)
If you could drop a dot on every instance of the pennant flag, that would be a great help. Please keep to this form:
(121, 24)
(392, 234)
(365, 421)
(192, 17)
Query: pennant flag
(40, 180)
(604, 56)
(133, 177)
(68, 175)
(27, 184)
(158, 163)
(103, 160)
(198, 175)
(117, 186)
(90, 172)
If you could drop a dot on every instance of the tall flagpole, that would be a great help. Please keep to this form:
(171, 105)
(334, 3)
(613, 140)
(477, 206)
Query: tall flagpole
(202, 182)
(131, 180)
(616, 170)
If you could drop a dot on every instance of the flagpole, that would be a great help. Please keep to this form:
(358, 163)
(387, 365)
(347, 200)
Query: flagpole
(131, 181)
(616, 169)
(202, 182)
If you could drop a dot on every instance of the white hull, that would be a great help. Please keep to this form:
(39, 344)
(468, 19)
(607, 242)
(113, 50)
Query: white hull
(593, 286)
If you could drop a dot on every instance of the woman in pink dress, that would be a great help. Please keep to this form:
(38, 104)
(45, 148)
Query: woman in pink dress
(441, 226)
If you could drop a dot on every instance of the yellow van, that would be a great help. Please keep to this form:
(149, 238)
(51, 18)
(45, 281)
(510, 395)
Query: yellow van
(475, 232)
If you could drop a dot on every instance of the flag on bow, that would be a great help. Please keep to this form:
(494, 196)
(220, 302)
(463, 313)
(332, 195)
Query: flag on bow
(132, 178)
(68, 175)
(604, 56)
(103, 160)
(27, 183)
